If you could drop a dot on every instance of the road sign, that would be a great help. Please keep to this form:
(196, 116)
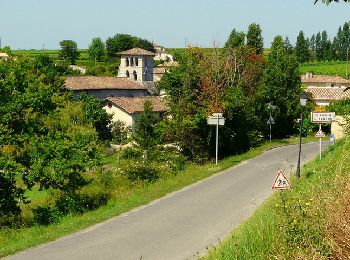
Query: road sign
(213, 120)
(320, 134)
(322, 117)
(270, 121)
(281, 182)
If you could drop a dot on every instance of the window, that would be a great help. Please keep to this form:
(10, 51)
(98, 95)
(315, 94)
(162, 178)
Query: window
(127, 74)
(109, 105)
(136, 62)
(131, 61)
(127, 62)
(135, 75)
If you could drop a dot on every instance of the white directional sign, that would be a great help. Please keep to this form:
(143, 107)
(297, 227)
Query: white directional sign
(281, 182)
(213, 120)
(322, 117)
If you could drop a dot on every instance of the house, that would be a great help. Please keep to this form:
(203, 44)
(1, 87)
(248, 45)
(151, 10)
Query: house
(161, 54)
(323, 96)
(103, 87)
(311, 80)
(135, 78)
(3, 56)
(127, 109)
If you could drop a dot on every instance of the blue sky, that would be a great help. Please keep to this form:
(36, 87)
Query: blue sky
(30, 24)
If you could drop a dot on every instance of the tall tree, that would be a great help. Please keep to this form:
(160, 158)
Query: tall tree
(318, 47)
(69, 51)
(282, 86)
(97, 50)
(254, 38)
(235, 39)
(301, 48)
(288, 46)
(123, 42)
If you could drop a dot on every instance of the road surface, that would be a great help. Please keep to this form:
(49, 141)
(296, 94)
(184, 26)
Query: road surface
(183, 224)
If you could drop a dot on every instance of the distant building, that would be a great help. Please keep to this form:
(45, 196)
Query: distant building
(137, 65)
(161, 69)
(323, 96)
(103, 87)
(3, 56)
(326, 89)
(311, 80)
(161, 54)
(127, 109)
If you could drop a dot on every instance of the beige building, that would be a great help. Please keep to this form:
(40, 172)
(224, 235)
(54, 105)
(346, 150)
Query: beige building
(311, 80)
(161, 54)
(127, 109)
(3, 56)
(137, 65)
(103, 87)
(323, 96)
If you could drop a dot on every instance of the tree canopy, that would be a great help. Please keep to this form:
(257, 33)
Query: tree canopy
(69, 51)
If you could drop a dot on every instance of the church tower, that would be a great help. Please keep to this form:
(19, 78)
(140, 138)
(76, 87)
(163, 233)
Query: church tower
(137, 65)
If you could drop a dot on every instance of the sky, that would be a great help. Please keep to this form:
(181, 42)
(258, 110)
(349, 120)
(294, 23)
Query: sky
(37, 24)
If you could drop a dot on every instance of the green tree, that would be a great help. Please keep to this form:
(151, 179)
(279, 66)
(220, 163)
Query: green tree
(145, 133)
(97, 50)
(235, 39)
(301, 48)
(318, 47)
(254, 38)
(282, 86)
(123, 42)
(69, 51)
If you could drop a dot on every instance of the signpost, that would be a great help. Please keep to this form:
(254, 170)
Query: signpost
(321, 117)
(281, 182)
(216, 119)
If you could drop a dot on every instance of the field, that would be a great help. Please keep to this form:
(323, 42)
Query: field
(336, 68)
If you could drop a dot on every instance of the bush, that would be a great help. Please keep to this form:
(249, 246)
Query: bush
(142, 172)
(45, 215)
(131, 153)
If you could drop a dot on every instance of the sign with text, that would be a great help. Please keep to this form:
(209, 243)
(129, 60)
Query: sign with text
(281, 182)
(322, 117)
(213, 120)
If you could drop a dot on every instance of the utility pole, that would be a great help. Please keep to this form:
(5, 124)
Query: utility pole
(347, 61)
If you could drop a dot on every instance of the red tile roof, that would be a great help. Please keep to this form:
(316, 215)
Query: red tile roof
(136, 104)
(137, 51)
(90, 82)
(323, 79)
(328, 93)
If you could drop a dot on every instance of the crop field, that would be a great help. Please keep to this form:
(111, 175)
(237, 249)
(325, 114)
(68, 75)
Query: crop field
(51, 53)
(336, 68)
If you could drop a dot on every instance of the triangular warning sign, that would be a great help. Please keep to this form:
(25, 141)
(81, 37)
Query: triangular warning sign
(281, 182)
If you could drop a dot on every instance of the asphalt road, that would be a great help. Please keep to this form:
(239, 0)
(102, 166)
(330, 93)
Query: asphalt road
(182, 224)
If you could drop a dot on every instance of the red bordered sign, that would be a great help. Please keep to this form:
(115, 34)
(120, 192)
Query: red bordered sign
(281, 182)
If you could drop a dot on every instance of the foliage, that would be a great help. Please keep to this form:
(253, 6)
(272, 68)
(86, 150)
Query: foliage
(302, 48)
(139, 171)
(340, 107)
(97, 116)
(69, 51)
(120, 132)
(123, 42)
(254, 38)
(144, 133)
(235, 39)
(282, 86)
(97, 50)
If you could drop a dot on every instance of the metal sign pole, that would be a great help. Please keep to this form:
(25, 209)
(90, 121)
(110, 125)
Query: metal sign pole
(217, 140)
(320, 130)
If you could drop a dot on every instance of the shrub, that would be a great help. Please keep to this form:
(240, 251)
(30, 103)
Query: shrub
(142, 172)
(45, 215)
(131, 153)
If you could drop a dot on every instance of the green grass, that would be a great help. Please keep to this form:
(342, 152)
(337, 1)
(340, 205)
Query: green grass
(292, 225)
(13, 240)
(336, 68)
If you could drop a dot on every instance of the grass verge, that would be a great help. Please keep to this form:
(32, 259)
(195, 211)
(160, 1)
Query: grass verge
(309, 221)
(14, 240)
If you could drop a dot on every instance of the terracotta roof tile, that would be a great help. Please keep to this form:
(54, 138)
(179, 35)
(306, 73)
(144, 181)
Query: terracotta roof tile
(323, 79)
(137, 51)
(328, 93)
(136, 104)
(90, 82)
